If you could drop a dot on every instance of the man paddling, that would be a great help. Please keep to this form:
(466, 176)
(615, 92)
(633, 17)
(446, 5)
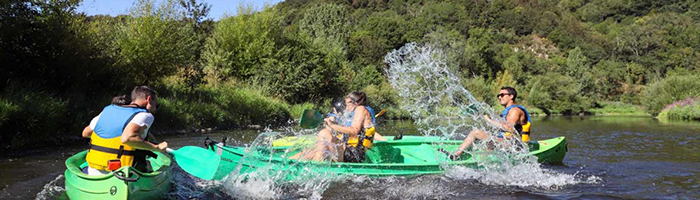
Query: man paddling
(117, 135)
(517, 119)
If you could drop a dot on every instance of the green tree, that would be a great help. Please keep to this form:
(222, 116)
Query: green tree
(153, 43)
(241, 43)
(557, 93)
(480, 52)
(327, 25)
(298, 73)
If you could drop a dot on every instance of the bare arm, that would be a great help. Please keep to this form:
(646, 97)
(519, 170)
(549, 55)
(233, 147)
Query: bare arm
(132, 137)
(357, 122)
(87, 132)
(511, 119)
(507, 125)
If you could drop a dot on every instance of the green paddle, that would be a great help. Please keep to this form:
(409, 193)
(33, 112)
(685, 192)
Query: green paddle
(311, 119)
(199, 162)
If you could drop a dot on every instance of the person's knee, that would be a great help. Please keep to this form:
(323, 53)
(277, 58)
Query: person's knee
(323, 134)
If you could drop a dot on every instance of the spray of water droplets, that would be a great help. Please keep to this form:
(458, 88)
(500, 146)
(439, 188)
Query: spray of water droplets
(291, 180)
(441, 106)
(52, 189)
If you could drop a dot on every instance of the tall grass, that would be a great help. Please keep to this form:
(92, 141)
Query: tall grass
(618, 109)
(228, 105)
(674, 87)
(687, 109)
(30, 116)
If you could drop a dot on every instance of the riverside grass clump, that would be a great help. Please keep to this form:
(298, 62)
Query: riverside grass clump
(687, 109)
(228, 105)
(677, 86)
(618, 109)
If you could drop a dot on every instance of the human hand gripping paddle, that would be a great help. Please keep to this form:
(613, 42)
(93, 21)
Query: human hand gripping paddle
(200, 162)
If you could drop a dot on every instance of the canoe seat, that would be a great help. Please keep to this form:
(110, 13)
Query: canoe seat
(384, 154)
(424, 153)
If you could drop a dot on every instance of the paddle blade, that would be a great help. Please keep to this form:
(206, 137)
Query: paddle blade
(469, 110)
(310, 119)
(201, 163)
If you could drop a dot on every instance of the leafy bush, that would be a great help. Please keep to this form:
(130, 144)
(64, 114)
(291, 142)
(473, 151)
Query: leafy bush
(382, 96)
(688, 109)
(300, 73)
(30, 116)
(240, 43)
(152, 42)
(224, 106)
(675, 87)
(558, 94)
(297, 109)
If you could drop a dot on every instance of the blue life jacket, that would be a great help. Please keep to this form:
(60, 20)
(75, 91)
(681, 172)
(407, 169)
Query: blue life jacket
(114, 119)
(371, 112)
(523, 129)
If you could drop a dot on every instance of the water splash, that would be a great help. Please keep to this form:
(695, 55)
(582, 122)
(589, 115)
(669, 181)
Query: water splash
(186, 186)
(52, 189)
(294, 180)
(441, 106)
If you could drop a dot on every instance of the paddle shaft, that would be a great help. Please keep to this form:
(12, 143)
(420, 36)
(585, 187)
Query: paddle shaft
(380, 113)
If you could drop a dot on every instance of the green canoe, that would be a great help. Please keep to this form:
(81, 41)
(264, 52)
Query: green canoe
(412, 155)
(124, 183)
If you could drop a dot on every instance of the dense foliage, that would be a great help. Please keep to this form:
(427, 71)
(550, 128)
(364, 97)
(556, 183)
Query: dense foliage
(59, 67)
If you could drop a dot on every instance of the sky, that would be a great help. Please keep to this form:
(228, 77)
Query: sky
(218, 7)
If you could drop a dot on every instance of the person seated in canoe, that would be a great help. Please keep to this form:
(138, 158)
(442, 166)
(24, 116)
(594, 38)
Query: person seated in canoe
(349, 139)
(339, 107)
(117, 135)
(517, 119)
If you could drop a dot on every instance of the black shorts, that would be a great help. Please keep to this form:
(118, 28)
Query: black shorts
(354, 154)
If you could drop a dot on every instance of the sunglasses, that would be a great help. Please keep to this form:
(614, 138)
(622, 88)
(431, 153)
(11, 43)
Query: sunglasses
(501, 95)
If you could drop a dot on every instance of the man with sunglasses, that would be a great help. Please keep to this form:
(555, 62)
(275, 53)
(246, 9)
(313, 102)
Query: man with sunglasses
(517, 119)
(118, 134)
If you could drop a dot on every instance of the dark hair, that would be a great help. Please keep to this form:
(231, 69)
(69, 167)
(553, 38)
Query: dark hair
(141, 92)
(358, 97)
(339, 105)
(512, 91)
(121, 100)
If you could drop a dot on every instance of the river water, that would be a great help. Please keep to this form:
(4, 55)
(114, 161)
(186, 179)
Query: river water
(608, 158)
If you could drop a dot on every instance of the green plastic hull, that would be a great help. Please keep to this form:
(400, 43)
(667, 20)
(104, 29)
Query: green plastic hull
(412, 155)
(110, 186)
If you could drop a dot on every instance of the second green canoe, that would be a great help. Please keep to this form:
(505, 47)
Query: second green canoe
(412, 155)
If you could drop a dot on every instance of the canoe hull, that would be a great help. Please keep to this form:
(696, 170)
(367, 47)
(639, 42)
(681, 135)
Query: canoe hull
(124, 183)
(413, 155)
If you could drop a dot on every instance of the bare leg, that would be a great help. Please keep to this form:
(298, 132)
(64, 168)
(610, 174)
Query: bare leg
(473, 135)
(324, 142)
(379, 137)
(322, 139)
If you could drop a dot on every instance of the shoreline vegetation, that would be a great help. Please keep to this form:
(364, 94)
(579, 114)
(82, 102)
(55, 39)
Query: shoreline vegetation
(263, 68)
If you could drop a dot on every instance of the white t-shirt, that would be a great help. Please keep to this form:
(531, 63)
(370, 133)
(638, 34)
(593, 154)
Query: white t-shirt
(141, 119)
